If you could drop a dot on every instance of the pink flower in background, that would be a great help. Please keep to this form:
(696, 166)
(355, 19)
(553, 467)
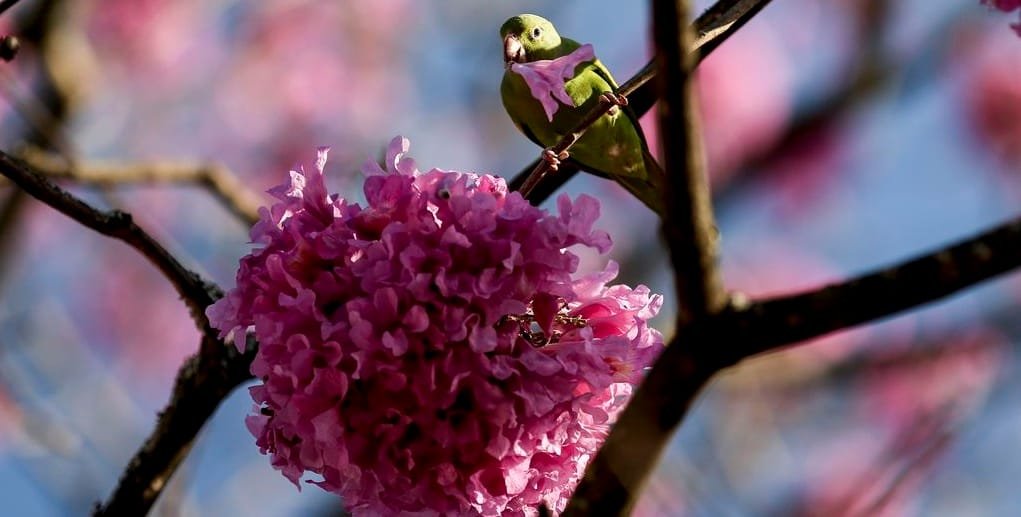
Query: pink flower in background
(993, 93)
(546, 77)
(10, 417)
(738, 126)
(148, 350)
(433, 351)
(162, 43)
(780, 267)
(916, 399)
(952, 379)
(207, 78)
(306, 64)
(1007, 6)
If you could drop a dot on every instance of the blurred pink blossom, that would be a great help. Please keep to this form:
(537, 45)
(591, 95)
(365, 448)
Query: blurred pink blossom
(914, 399)
(780, 268)
(149, 338)
(992, 90)
(802, 170)
(10, 418)
(950, 380)
(159, 42)
(214, 77)
(1007, 6)
(311, 64)
(857, 474)
(433, 352)
(744, 92)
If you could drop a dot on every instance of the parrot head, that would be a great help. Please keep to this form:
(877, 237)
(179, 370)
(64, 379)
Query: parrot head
(527, 37)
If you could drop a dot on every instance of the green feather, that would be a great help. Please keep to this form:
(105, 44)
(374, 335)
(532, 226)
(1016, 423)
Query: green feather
(613, 147)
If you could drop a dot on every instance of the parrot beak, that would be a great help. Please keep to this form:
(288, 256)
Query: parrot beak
(513, 51)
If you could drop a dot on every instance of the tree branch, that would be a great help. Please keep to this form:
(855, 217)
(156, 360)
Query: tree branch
(774, 323)
(689, 228)
(11, 211)
(235, 196)
(747, 330)
(205, 379)
(753, 329)
(202, 383)
(616, 476)
(195, 291)
(7, 4)
(713, 27)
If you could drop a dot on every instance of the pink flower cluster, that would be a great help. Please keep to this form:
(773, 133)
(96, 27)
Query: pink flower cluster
(432, 352)
(1007, 6)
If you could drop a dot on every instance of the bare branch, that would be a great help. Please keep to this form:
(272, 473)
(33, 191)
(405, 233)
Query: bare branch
(202, 383)
(689, 228)
(616, 476)
(7, 4)
(224, 184)
(196, 292)
(774, 324)
(721, 20)
(713, 27)
(205, 379)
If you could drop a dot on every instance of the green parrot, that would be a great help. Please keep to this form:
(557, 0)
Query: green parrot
(614, 147)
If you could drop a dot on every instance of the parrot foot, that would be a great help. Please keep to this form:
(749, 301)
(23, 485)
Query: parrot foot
(615, 100)
(553, 159)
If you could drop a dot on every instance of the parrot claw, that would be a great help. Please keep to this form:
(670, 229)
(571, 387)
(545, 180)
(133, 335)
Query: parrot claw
(615, 98)
(553, 159)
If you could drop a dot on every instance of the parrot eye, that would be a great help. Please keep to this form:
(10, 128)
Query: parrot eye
(536, 32)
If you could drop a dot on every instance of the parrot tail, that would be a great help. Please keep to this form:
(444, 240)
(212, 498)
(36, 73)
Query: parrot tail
(649, 190)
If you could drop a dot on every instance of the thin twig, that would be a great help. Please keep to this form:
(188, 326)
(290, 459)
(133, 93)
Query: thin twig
(199, 389)
(46, 109)
(224, 184)
(722, 19)
(196, 292)
(714, 27)
(913, 468)
(43, 113)
(204, 380)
